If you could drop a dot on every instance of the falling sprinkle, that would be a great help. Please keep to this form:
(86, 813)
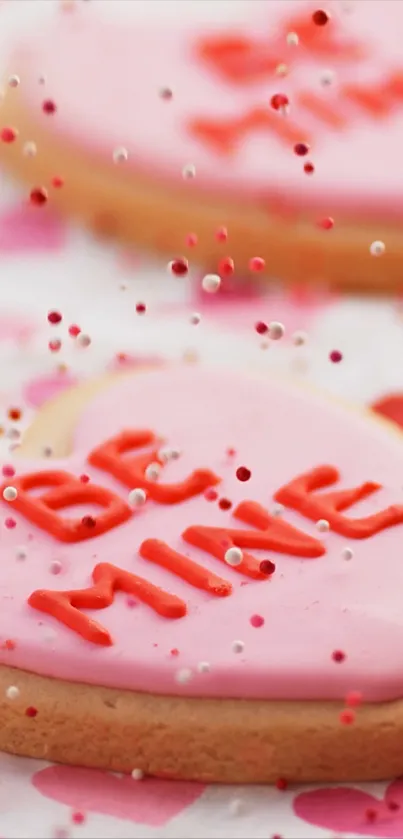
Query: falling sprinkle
(137, 497)
(29, 149)
(83, 340)
(10, 493)
(189, 172)
(256, 264)
(182, 677)
(335, 356)
(233, 556)
(141, 308)
(153, 471)
(320, 17)
(377, 248)
(57, 182)
(203, 667)
(179, 267)
(327, 78)
(195, 318)
(12, 692)
(309, 168)
(326, 223)
(48, 106)
(338, 656)
(292, 39)
(226, 266)
(347, 716)
(14, 81)
(243, 474)
(238, 646)
(261, 327)
(257, 621)
(347, 553)
(276, 330)
(54, 317)
(8, 134)
(279, 102)
(165, 93)
(322, 525)
(267, 567)
(301, 149)
(191, 240)
(221, 234)
(120, 155)
(211, 283)
(38, 196)
(299, 338)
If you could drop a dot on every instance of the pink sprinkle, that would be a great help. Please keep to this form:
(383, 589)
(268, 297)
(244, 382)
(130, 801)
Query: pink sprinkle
(256, 621)
(256, 264)
(211, 494)
(74, 330)
(8, 471)
(77, 817)
(191, 240)
(10, 523)
(335, 356)
(55, 345)
(221, 234)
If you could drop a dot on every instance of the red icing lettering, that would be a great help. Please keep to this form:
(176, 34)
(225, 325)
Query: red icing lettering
(66, 606)
(63, 490)
(272, 534)
(225, 135)
(298, 495)
(199, 577)
(240, 59)
(110, 457)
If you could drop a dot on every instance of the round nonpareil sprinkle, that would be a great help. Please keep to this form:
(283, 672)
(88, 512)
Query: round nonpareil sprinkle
(203, 667)
(238, 646)
(14, 81)
(183, 676)
(49, 107)
(243, 473)
(211, 283)
(335, 356)
(377, 248)
(261, 327)
(38, 196)
(141, 308)
(195, 318)
(257, 621)
(323, 525)
(189, 172)
(137, 497)
(54, 317)
(8, 134)
(301, 149)
(276, 330)
(233, 556)
(153, 471)
(256, 264)
(10, 493)
(338, 656)
(137, 774)
(29, 149)
(292, 39)
(120, 155)
(179, 267)
(347, 553)
(12, 692)
(83, 340)
(221, 234)
(320, 17)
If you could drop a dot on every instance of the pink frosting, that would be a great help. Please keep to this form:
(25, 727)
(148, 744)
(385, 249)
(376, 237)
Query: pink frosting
(119, 104)
(310, 607)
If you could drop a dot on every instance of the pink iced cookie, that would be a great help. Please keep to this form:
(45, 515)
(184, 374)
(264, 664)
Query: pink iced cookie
(277, 120)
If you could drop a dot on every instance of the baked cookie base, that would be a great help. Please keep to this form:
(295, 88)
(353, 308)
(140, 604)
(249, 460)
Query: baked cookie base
(209, 740)
(139, 208)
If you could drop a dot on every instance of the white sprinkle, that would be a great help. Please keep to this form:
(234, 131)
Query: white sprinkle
(137, 774)
(42, 79)
(347, 553)
(167, 454)
(278, 510)
(83, 340)
(165, 93)
(323, 525)
(14, 81)
(29, 149)
(292, 39)
(183, 676)
(377, 248)
(233, 556)
(55, 566)
(21, 553)
(189, 172)
(153, 471)
(276, 330)
(12, 692)
(47, 451)
(235, 806)
(238, 646)
(137, 497)
(211, 283)
(327, 78)
(203, 667)
(299, 338)
(281, 70)
(13, 434)
(10, 493)
(120, 155)
(195, 318)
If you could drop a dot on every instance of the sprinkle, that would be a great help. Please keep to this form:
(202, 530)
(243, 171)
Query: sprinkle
(137, 497)
(54, 317)
(8, 471)
(14, 414)
(353, 698)
(256, 264)
(55, 345)
(12, 692)
(165, 93)
(231, 452)
(327, 78)
(195, 318)
(281, 70)
(299, 338)
(189, 172)
(153, 471)
(301, 149)
(261, 327)
(235, 806)
(74, 330)
(267, 567)
(167, 453)
(338, 656)
(292, 39)
(10, 523)
(14, 81)
(371, 815)
(233, 556)
(211, 283)
(57, 182)
(29, 149)
(10, 493)
(77, 817)
(257, 621)
(140, 308)
(55, 566)
(347, 553)
(203, 667)
(281, 784)
(47, 451)
(221, 234)
(309, 168)
(31, 711)
(137, 774)
(85, 479)
(335, 356)
(323, 525)
(120, 155)
(38, 196)
(83, 340)
(377, 248)
(243, 474)
(226, 266)
(179, 267)
(8, 134)
(88, 521)
(326, 223)
(347, 716)
(175, 651)
(238, 646)
(21, 553)
(225, 504)
(49, 107)
(276, 330)
(183, 676)
(279, 102)
(320, 17)
(211, 494)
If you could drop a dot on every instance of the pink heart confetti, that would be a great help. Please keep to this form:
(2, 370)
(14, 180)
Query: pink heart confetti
(39, 390)
(24, 229)
(348, 810)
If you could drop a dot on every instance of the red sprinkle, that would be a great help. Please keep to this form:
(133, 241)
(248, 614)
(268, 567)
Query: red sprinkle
(267, 567)
(261, 327)
(85, 479)
(256, 264)
(9, 644)
(221, 234)
(10, 523)
(48, 106)
(338, 655)
(14, 414)
(226, 267)
(281, 784)
(301, 149)
(256, 621)
(243, 474)
(8, 134)
(55, 345)
(309, 168)
(180, 266)
(335, 356)
(225, 504)
(8, 471)
(38, 196)
(279, 100)
(140, 308)
(347, 717)
(191, 240)
(175, 651)
(326, 223)
(31, 711)
(54, 317)
(211, 494)
(74, 330)
(231, 452)
(77, 817)
(88, 521)
(320, 17)
(57, 181)
(353, 699)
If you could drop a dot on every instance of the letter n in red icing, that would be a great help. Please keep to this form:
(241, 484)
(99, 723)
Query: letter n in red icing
(299, 495)
(272, 534)
(130, 470)
(62, 490)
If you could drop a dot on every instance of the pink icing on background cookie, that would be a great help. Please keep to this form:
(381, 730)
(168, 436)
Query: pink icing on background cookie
(352, 811)
(317, 602)
(223, 78)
